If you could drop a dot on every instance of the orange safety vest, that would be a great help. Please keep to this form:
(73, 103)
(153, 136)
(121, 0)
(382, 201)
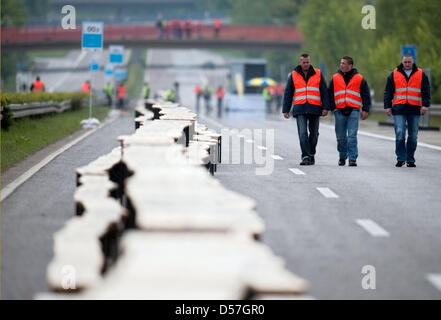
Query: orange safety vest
(408, 92)
(121, 92)
(85, 87)
(197, 90)
(38, 86)
(347, 96)
(307, 91)
(220, 93)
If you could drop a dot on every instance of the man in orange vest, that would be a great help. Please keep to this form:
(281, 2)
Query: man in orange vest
(37, 85)
(121, 94)
(406, 97)
(348, 93)
(85, 87)
(220, 94)
(217, 26)
(306, 93)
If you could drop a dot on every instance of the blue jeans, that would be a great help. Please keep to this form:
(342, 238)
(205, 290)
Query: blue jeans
(346, 128)
(405, 151)
(308, 142)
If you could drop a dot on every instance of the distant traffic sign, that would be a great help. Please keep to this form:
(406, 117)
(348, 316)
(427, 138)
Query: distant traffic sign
(120, 74)
(412, 49)
(108, 70)
(94, 65)
(116, 54)
(92, 36)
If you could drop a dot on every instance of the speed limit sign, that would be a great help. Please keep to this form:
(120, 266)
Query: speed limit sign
(92, 36)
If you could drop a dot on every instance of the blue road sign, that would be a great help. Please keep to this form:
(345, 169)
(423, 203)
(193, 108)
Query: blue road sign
(412, 49)
(116, 54)
(92, 36)
(120, 74)
(109, 70)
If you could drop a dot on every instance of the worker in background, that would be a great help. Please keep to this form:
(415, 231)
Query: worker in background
(170, 95)
(220, 94)
(85, 87)
(37, 85)
(166, 28)
(207, 97)
(198, 92)
(176, 90)
(268, 98)
(108, 91)
(160, 27)
(146, 90)
(121, 95)
(217, 26)
(279, 96)
(198, 29)
(188, 28)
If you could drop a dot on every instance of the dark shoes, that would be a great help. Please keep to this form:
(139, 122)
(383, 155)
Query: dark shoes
(399, 164)
(409, 164)
(307, 161)
(342, 161)
(352, 163)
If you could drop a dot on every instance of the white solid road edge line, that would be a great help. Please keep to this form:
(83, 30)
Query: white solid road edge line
(435, 280)
(328, 193)
(10, 188)
(379, 136)
(373, 228)
(296, 171)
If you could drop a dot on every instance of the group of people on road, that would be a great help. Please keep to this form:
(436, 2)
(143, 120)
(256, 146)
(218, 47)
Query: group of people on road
(406, 97)
(109, 93)
(184, 29)
(273, 95)
(206, 92)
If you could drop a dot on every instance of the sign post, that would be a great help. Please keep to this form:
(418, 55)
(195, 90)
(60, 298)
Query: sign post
(116, 54)
(92, 41)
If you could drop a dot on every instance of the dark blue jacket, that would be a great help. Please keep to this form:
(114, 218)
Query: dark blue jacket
(306, 108)
(364, 90)
(406, 108)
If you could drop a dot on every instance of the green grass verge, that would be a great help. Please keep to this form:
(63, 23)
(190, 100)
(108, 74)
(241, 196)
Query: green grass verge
(135, 76)
(47, 53)
(28, 135)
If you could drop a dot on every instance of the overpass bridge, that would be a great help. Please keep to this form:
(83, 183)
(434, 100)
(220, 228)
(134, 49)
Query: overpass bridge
(247, 37)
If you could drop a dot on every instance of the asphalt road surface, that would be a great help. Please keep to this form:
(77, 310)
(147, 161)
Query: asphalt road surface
(327, 222)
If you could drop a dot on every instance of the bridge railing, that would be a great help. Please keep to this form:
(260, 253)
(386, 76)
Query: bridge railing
(14, 35)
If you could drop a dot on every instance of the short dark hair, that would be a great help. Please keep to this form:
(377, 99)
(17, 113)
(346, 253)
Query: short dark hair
(304, 55)
(349, 60)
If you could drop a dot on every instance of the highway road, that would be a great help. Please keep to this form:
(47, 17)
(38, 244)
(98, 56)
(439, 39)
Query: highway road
(327, 222)
(78, 61)
(373, 215)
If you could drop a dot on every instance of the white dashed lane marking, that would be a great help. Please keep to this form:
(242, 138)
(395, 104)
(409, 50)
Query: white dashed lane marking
(435, 280)
(276, 157)
(296, 171)
(261, 147)
(372, 228)
(326, 192)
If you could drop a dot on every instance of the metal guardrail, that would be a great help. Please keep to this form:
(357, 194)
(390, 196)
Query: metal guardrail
(36, 108)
